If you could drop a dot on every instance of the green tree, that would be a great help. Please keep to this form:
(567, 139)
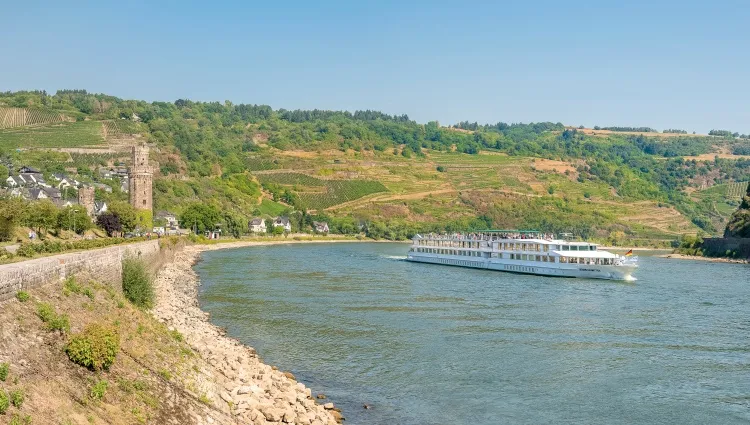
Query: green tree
(125, 213)
(11, 210)
(74, 218)
(40, 216)
(200, 217)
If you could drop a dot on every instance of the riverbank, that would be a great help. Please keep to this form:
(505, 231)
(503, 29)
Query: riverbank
(249, 390)
(701, 258)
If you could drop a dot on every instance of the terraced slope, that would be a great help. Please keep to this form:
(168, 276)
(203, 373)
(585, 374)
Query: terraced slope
(60, 135)
(20, 117)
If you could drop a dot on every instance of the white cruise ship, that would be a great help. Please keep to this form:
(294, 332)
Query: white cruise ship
(527, 252)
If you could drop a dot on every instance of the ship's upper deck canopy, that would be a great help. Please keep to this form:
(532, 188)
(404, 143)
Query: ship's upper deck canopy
(497, 235)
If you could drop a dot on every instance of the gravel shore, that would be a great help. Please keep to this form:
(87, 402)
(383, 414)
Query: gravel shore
(249, 391)
(709, 259)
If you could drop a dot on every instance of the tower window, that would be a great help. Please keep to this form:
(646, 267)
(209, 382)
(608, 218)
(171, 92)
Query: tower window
(144, 202)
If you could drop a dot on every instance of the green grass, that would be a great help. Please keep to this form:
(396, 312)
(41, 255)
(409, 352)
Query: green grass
(271, 208)
(62, 135)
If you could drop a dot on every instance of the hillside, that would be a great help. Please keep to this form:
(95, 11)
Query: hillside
(389, 175)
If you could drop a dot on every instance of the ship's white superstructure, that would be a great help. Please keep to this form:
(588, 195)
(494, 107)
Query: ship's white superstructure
(522, 252)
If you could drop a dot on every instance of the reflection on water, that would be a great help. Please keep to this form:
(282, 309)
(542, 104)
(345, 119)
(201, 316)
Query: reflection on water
(428, 344)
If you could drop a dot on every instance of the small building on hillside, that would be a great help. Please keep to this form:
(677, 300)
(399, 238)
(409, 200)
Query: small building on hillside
(29, 170)
(36, 194)
(320, 226)
(283, 222)
(170, 220)
(52, 193)
(15, 181)
(67, 182)
(257, 225)
(100, 207)
(102, 186)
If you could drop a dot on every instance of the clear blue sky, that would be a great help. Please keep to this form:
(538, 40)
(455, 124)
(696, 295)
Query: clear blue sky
(664, 64)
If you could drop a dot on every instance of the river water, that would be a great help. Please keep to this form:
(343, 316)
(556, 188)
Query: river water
(429, 344)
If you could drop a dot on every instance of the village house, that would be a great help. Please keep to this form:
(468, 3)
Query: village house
(320, 226)
(100, 207)
(15, 181)
(66, 182)
(257, 225)
(283, 222)
(169, 218)
(36, 194)
(102, 186)
(28, 170)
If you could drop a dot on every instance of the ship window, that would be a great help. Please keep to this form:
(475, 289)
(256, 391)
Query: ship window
(565, 248)
(593, 247)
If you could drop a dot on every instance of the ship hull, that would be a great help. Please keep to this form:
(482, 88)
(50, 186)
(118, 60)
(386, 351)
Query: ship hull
(611, 272)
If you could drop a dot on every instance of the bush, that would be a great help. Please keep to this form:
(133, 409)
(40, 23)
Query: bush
(20, 420)
(4, 368)
(54, 321)
(136, 283)
(98, 390)
(70, 285)
(94, 348)
(4, 402)
(16, 398)
(22, 296)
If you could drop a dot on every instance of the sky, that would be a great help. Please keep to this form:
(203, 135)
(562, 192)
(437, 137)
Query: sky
(660, 63)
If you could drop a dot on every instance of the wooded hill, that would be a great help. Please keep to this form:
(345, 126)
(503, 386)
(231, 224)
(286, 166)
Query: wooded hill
(387, 174)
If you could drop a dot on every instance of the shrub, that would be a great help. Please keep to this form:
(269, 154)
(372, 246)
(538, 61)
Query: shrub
(4, 368)
(98, 390)
(136, 283)
(16, 398)
(54, 321)
(22, 296)
(176, 335)
(4, 402)
(94, 348)
(20, 420)
(70, 285)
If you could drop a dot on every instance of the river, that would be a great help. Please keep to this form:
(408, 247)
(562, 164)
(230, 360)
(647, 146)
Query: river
(429, 344)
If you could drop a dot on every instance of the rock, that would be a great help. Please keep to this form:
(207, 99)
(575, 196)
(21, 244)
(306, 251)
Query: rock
(337, 416)
(226, 397)
(289, 416)
(367, 406)
(320, 396)
(271, 413)
(289, 375)
(328, 406)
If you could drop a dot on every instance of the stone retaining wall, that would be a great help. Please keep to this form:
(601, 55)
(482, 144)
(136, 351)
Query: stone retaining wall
(103, 263)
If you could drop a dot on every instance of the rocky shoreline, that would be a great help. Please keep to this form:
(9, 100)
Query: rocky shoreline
(709, 259)
(238, 383)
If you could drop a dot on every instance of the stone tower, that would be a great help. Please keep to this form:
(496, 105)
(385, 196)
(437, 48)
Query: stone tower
(139, 180)
(86, 199)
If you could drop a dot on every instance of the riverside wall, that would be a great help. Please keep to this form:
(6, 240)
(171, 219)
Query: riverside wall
(103, 263)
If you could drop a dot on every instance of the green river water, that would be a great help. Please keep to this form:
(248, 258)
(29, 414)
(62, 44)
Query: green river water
(429, 344)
